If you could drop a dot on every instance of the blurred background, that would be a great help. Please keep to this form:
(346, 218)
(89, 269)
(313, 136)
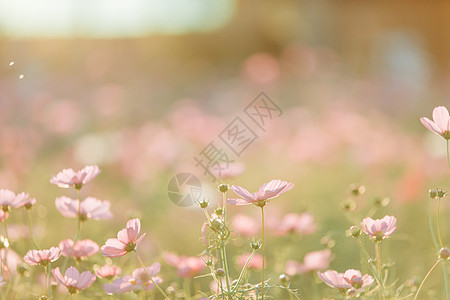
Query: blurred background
(141, 87)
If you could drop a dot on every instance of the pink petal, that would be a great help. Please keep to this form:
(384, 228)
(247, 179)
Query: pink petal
(57, 274)
(430, 125)
(441, 117)
(240, 191)
(239, 202)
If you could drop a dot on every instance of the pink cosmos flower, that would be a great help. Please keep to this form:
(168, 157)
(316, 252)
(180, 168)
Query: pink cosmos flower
(351, 279)
(294, 223)
(91, 208)
(267, 191)
(23, 199)
(440, 124)
(81, 250)
(255, 263)
(187, 266)
(108, 271)
(42, 257)
(126, 240)
(245, 225)
(73, 280)
(313, 261)
(7, 199)
(380, 228)
(9, 260)
(69, 178)
(139, 280)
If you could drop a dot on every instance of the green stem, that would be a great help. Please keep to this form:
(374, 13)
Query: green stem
(30, 224)
(378, 254)
(77, 237)
(426, 277)
(145, 270)
(46, 279)
(448, 158)
(224, 204)
(225, 266)
(243, 272)
(262, 250)
(187, 289)
(437, 221)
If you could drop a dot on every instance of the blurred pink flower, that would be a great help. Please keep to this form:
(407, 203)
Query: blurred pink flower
(3, 215)
(81, 250)
(7, 199)
(23, 199)
(187, 266)
(9, 260)
(227, 171)
(73, 280)
(126, 240)
(139, 280)
(294, 223)
(91, 208)
(2, 282)
(351, 279)
(69, 178)
(42, 257)
(380, 228)
(108, 271)
(255, 263)
(267, 191)
(245, 225)
(440, 124)
(313, 261)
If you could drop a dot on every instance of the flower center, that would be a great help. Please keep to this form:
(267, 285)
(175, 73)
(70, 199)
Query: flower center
(72, 290)
(356, 282)
(379, 235)
(446, 135)
(130, 247)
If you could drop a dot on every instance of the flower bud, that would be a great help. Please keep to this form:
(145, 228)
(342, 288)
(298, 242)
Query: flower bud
(223, 188)
(432, 193)
(203, 204)
(383, 202)
(441, 193)
(256, 245)
(219, 211)
(348, 205)
(283, 279)
(4, 243)
(444, 253)
(357, 190)
(353, 231)
(219, 273)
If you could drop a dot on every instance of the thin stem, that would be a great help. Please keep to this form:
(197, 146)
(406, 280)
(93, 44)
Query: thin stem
(426, 277)
(262, 250)
(187, 289)
(243, 272)
(448, 158)
(225, 266)
(77, 236)
(378, 258)
(30, 224)
(224, 204)
(145, 270)
(437, 221)
(46, 279)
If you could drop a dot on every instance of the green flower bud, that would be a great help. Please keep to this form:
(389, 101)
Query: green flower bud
(256, 245)
(283, 279)
(444, 253)
(219, 273)
(357, 190)
(353, 231)
(203, 204)
(432, 193)
(223, 188)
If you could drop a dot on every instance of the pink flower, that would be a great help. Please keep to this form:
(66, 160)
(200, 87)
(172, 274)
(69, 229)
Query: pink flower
(7, 199)
(301, 224)
(108, 271)
(73, 280)
(3, 215)
(187, 266)
(126, 240)
(313, 261)
(91, 208)
(380, 228)
(255, 263)
(23, 199)
(139, 280)
(42, 257)
(9, 260)
(440, 124)
(81, 250)
(351, 280)
(267, 191)
(245, 225)
(69, 178)
(2, 282)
